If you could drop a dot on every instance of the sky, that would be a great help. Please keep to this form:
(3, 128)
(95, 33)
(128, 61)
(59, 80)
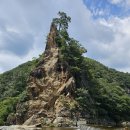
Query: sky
(101, 26)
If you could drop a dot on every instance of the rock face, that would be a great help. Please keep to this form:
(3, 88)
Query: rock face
(50, 89)
(19, 127)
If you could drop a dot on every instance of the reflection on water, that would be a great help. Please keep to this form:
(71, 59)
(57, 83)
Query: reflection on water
(60, 128)
(86, 128)
(52, 128)
(100, 128)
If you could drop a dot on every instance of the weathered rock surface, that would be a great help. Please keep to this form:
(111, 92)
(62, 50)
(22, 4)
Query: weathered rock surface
(50, 88)
(19, 127)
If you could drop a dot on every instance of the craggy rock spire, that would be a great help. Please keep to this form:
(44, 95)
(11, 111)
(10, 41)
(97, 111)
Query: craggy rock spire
(48, 85)
(51, 43)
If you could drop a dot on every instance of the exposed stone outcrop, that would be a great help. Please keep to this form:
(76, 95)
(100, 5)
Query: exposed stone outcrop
(46, 85)
(19, 127)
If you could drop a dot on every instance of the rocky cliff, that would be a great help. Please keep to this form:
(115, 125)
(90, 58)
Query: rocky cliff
(63, 85)
(50, 89)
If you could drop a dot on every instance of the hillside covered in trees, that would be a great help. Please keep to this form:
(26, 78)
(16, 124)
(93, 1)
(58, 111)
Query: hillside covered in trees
(100, 94)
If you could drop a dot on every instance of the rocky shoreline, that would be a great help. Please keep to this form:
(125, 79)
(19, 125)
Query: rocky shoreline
(19, 127)
(75, 124)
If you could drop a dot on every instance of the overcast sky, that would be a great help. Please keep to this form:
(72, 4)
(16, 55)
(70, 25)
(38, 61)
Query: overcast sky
(101, 26)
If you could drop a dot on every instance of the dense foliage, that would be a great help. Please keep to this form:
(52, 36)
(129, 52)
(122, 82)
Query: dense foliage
(71, 49)
(13, 88)
(101, 92)
(7, 106)
(109, 90)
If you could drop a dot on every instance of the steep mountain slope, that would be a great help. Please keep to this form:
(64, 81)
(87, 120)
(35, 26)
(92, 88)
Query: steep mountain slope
(62, 86)
(13, 88)
(94, 68)
(46, 84)
(110, 92)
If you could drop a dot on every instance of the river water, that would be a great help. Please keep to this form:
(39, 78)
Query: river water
(52, 128)
(87, 128)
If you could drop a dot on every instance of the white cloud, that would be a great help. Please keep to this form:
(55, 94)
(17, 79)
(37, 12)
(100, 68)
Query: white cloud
(116, 1)
(116, 53)
(7, 61)
(124, 3)
(29, 21)
(24, 26)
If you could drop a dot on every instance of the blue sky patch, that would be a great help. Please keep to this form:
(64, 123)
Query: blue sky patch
(105, 9)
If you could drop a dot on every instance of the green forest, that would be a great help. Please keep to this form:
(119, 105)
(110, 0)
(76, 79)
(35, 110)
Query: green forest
(13, 88)
(102, 92)
(105, 96)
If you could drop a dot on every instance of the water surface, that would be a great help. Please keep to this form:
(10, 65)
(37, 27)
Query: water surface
(87, 128)
(52, 128)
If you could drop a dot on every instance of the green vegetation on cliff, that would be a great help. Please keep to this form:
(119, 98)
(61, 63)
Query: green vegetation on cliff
(102, 93)
(13, 88)
(107, 95)
(104, 96)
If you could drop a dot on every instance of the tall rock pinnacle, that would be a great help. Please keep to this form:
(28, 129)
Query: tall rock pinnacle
(48, 85)
(51, 43)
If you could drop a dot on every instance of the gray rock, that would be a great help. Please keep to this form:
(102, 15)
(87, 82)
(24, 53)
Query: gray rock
(19, 127)
(58, 120)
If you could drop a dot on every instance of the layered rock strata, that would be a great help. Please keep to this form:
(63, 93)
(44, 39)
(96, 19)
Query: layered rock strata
(50, 89)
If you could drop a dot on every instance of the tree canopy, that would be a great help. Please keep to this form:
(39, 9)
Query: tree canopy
(102, 93)
(62, 21)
